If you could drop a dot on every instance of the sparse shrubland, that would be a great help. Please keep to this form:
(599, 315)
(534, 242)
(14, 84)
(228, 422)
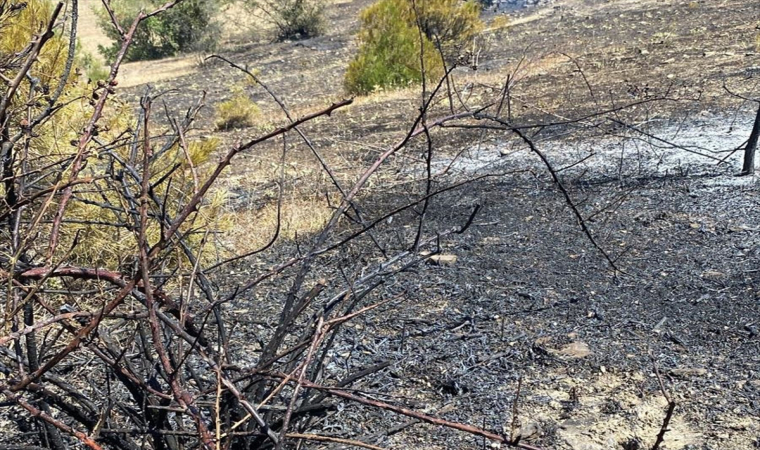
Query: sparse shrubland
(391, 43)
(344, 299)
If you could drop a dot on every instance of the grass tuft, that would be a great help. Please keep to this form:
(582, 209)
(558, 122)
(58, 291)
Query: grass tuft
(237, 112)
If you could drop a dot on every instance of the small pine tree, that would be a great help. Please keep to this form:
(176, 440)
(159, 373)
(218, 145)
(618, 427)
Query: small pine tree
(237, 112)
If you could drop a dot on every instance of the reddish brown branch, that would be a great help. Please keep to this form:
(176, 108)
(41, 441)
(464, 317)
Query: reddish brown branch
(82, 273)
(42, 324)
(34, 412)
(183, 398)
(78, 163)
(78, 338)
(417, 415)
(117, 279)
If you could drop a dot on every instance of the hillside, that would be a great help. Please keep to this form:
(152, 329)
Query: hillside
(555, 248)
(529, 298)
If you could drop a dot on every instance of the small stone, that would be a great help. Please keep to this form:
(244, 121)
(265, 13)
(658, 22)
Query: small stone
(443, 259)
(688, 372)
(713, 274)
(576, 349)
(529, 431)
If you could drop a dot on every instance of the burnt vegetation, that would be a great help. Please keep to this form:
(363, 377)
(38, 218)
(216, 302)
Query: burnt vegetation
(477, 269)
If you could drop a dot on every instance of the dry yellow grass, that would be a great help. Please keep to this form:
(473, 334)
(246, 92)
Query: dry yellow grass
(299, 216)
(142, 72)
(90, 34)
(388, 95)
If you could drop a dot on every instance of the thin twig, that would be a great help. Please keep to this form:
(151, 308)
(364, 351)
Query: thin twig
(668, 415)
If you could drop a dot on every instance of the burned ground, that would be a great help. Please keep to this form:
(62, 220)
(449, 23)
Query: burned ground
(529, 301)
(523, 301)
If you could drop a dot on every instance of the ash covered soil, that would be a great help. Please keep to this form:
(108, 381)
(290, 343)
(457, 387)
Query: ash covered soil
(530, 303)
(523, 301)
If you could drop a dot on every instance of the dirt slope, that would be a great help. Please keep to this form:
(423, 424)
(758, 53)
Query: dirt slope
(529, 298)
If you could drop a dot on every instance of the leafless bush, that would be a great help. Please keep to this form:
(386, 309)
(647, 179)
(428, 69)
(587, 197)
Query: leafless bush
(134, 350)
(139, 351)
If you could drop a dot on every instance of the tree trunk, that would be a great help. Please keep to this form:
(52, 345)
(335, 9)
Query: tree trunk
(749, 151)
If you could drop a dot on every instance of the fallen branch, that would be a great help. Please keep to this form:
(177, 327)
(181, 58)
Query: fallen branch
(320, 438)
(417, 415)
(668, 415)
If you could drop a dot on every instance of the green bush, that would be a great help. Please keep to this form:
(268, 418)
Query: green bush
(237, 112)
(187, 27)
(390, 44)
(450, 24)
(92, 67)
(294, 19)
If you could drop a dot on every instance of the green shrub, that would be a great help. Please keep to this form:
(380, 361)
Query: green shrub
(294, 19)
(390, 44)
(95, 207)
(450, 24)
(92, 67)
(237, 112)
(187, 27)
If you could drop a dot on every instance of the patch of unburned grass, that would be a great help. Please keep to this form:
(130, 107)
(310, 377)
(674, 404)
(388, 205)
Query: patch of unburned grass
(299, 216)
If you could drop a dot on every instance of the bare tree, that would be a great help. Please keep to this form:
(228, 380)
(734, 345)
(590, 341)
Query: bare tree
(748, 164)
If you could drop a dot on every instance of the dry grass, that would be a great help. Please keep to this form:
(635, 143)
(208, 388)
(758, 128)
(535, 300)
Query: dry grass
(304, 208)
(90, 34)
(388, 95)
(300, 216)
(143, 72)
